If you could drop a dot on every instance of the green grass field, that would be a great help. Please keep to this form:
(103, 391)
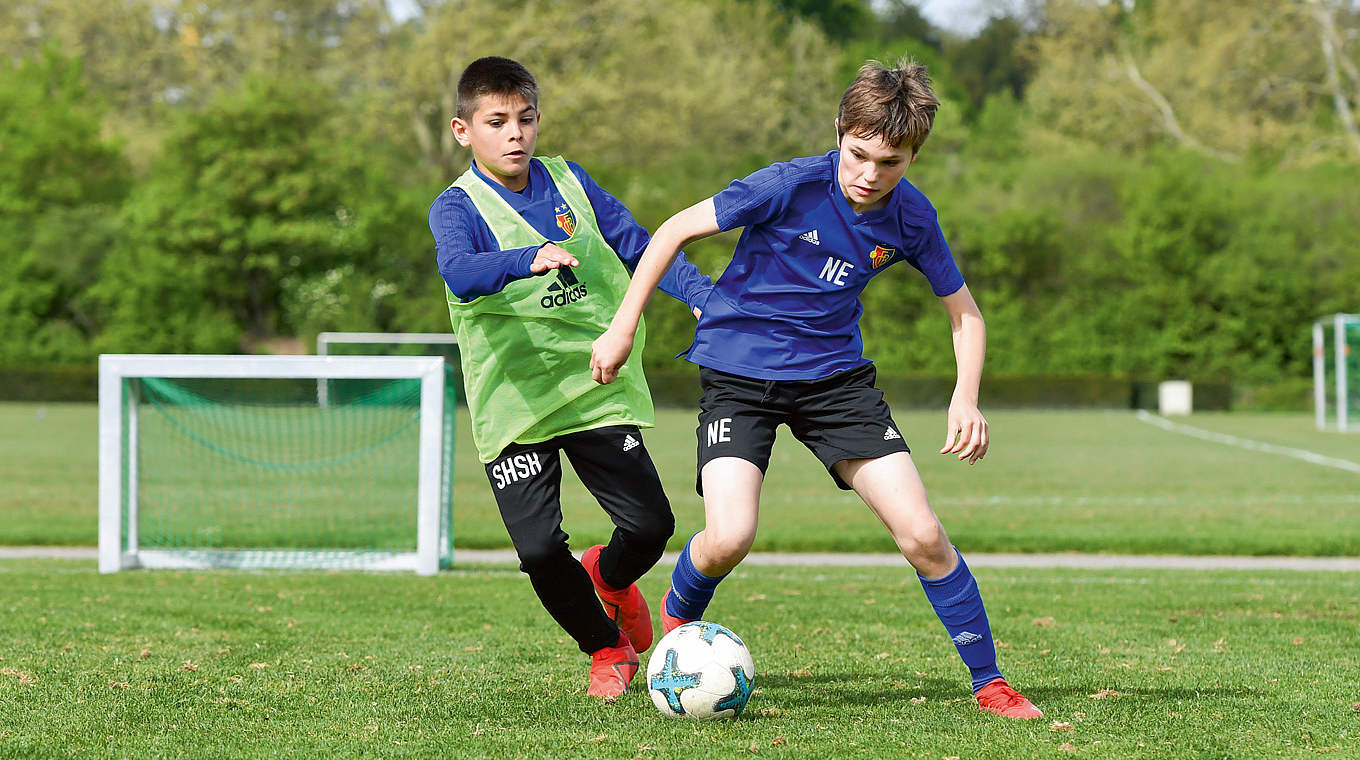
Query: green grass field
(850, 663)
(1053, 482)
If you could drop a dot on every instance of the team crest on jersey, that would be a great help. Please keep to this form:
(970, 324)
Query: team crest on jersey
(566, 219)
(880, 255)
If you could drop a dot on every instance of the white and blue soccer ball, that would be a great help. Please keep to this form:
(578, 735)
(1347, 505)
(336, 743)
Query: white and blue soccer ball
(701, 671)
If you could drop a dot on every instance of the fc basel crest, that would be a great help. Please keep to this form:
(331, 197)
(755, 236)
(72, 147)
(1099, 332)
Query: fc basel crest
(880, 255)
(566, 219)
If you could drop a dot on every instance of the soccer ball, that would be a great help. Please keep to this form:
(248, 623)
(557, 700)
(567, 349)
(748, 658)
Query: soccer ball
(701, 671)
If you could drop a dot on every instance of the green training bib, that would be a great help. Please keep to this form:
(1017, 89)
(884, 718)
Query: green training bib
(526, 350)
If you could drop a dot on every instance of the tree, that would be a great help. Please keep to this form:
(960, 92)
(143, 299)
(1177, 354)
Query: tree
(994, 61)
(60, 185)
(840, 20)
(622, 91)
(259, 192)
(1226, 79)
(147, 56)
(902, 19)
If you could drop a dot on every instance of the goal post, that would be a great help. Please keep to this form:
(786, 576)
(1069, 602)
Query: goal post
(1336, 341)
(230, 461)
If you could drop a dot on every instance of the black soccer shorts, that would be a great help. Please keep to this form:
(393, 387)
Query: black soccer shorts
(839, 417)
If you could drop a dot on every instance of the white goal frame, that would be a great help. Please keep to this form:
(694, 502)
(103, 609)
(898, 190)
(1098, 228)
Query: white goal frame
(1340, 347)
(120, 552)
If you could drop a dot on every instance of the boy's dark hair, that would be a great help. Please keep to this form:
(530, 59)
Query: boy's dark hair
(895, 104)
(494, 75)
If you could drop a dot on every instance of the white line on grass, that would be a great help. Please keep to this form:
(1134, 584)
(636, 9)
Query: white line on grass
(1246, 443)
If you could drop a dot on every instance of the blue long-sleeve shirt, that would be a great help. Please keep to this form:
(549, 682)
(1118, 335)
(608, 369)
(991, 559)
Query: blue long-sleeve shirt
(473, 264)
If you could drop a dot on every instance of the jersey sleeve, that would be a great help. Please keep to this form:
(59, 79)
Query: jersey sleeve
(468, 256)
(925, 247)
(683, 281)
(758, 197)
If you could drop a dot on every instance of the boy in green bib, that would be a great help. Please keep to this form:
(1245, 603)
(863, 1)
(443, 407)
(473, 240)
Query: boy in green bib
(536, 258)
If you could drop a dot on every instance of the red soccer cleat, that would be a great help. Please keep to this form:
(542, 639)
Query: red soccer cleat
(668, 621)
(1000, 698)
(626, 608)
(612, 668)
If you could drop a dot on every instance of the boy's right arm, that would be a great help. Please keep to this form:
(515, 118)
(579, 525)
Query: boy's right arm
(612, 348)
(469, 260)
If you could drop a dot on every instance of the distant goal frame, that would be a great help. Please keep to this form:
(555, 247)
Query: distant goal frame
(1340, 350)
(119, 551)
(324, 341)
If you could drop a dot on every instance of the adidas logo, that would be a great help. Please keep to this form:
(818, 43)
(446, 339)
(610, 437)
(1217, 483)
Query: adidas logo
(810, 236)
(563, 290)
(890, 435)
(966, 638)
(630, 443)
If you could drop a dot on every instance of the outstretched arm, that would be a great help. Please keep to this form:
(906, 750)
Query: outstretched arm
(683, 281)
(612, 348)
(967, 434)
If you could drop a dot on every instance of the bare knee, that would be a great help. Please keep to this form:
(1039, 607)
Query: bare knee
(926, 547)
(720, 551)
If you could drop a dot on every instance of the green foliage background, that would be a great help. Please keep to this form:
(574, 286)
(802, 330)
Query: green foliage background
(213, 177)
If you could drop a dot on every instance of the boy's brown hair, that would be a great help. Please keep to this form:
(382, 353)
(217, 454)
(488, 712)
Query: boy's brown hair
(895, 104)
(494, 75)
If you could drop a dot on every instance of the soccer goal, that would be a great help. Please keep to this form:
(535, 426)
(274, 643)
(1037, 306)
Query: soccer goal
(1337, 338)
(230, 461)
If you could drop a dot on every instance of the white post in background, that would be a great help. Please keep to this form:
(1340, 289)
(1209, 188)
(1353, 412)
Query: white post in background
(430, 470)
(323, 385)
(1342, 402)
(110, 467)
(1319, 375)
(1175, 397)
(132, 447)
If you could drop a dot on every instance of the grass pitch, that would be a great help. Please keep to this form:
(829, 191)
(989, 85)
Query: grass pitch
(1053, 482)
(850, 663)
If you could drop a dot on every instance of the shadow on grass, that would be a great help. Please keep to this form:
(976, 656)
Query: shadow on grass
(839, 688)
(836, 688)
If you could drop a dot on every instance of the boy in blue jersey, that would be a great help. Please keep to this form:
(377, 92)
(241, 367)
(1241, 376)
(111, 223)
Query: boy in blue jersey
(536, 259)
(778, 342)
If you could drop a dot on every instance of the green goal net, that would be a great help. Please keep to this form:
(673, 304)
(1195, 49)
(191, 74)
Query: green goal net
(244, 469)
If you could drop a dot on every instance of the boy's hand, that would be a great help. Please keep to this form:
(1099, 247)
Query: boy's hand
(608, 353)
(967, 434)
(551, 256)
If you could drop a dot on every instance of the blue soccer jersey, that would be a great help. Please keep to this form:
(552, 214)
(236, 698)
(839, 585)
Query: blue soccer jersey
(787, 307)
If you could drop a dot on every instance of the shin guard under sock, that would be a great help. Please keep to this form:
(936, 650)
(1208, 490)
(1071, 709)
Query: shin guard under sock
(958, 603)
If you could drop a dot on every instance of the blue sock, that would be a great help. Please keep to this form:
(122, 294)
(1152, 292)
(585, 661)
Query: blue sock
(956, 600)
(691, 590)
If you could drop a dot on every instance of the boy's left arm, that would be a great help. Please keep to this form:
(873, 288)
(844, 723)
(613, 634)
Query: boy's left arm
(967, 433)
(683, 281)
